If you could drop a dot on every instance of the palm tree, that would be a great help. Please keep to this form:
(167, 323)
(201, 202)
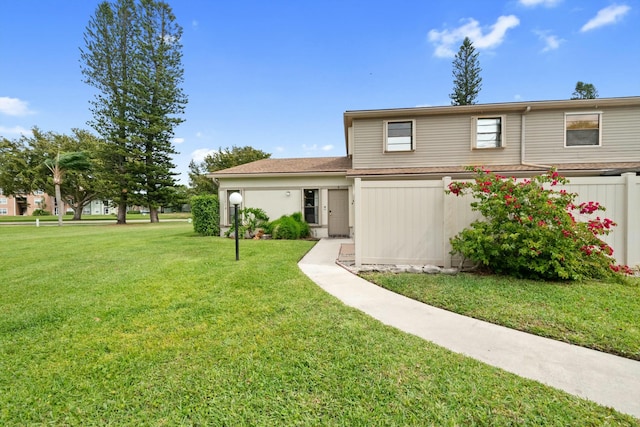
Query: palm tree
(77, 160)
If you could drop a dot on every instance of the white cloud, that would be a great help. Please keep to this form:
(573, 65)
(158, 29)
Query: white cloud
(551, 41)
(327, 147)
(533, 3)
(279, 149)
(199, 155)
(199, 134)
(16, 130)
(606, 16)
(178, 140)
(313, 147)
(448, 40)
(14, 106)
(195, 24)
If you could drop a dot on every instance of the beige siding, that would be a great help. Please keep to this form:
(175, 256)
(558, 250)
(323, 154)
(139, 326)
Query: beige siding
(411, 222)
(445, 140)
(440, 141)
(544, 142)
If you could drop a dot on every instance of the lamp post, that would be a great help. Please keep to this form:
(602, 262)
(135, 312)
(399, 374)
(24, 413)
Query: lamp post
(235, 199)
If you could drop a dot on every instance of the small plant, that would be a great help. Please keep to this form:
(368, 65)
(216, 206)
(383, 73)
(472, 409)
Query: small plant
(530, 230)
(250, 221)
(41, 212)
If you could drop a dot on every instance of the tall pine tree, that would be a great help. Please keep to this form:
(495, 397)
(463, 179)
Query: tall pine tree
(133, 58)
(466, 75)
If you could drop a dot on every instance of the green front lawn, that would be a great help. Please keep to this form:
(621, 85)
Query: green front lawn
(150, 324)
(69, 217)
(602, 316)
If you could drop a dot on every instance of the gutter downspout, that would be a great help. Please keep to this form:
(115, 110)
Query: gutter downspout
(522, 142)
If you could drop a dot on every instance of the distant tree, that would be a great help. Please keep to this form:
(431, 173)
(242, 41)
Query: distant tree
(64, 165)
(16, 173)
(133, 58)
(466, 75)
(224, 158)
(199, 183)
(584, 91)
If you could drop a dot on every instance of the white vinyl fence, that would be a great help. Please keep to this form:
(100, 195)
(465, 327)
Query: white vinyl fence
(411, 221)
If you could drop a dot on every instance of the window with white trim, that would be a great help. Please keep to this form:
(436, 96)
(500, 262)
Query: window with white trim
(3, 201)
(582, 129)
(488, 132)
(399, 135)
(4, 211)
(311, 203)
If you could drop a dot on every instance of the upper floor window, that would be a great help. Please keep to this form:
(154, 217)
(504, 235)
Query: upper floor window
(400, 136)
(582, 129)
(311, 203)
(3, 201)
(488, 132)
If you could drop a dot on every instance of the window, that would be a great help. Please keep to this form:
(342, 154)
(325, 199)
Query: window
(400, 136)
(231, 216)
(311, 202)
(582, 129)
(4, 211)
(3, 201)
(487, 132)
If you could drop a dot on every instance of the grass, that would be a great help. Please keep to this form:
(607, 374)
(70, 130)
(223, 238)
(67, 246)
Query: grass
(602, 316)
(69, 217)
(149, 324)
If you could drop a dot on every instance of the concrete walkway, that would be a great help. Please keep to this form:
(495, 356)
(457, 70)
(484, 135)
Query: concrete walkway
(603, 378)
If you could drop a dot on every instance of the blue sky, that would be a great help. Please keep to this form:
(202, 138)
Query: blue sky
(277, 75)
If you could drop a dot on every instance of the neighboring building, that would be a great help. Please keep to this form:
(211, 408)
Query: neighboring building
(26, 204)
(399, 162)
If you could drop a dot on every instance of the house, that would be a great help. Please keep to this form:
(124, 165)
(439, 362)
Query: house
(388, 191)
(316, 186)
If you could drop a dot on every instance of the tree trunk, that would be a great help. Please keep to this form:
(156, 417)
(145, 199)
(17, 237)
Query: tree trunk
(77, 212)
(122, 208)
(153, 215)
(60, 204)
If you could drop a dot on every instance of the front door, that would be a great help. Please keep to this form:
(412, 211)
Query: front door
(338, 213)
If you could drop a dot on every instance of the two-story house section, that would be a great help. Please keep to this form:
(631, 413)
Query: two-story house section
(588, 135)
(399, 162)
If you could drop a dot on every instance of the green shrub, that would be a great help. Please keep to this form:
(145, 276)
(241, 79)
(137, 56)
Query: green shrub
(529, 229)
(289, 227)
(305, 230)
(205, 211)
(285, 228)
(40, 212)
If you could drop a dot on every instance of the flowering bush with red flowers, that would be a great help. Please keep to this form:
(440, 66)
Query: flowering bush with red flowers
(530, 230)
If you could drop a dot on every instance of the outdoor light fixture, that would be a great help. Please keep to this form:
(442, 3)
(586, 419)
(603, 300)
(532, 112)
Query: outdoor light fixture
(235, 199)
(288, 193)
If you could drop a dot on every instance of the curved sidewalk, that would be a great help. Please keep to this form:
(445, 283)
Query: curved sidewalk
(603, 378)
